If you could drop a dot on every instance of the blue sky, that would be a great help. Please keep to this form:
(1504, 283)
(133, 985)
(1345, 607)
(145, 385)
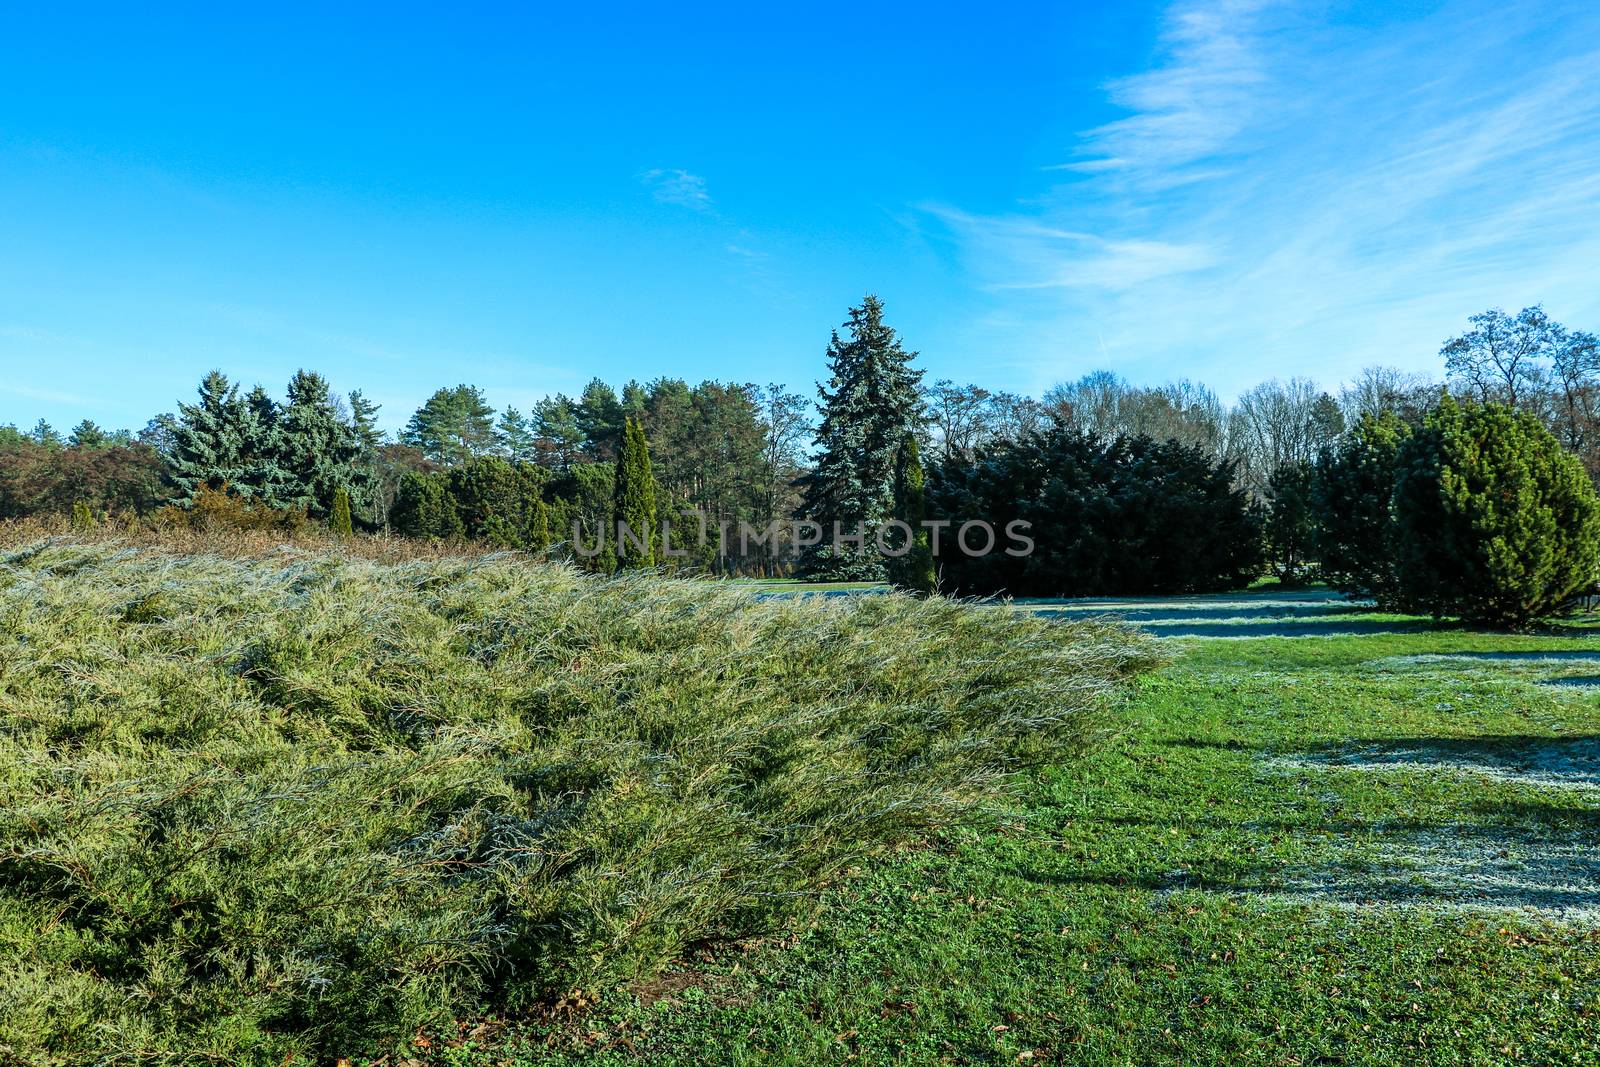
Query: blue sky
(404, 198)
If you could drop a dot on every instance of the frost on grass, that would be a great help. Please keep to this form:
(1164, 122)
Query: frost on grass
(1554, 763)
(1471, 869)
(1551, 876)
(263, 810)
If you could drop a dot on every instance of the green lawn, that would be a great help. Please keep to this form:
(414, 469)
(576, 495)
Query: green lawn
(1354, 848)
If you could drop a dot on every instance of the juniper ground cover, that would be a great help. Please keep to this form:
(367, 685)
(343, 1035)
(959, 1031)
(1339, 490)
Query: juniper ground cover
(270, 803)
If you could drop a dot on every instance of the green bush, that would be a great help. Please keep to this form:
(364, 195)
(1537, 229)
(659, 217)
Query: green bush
(1126, 516)
(423, 507)
(1495, 522)
(1353, 493)
(1291, 521)
(262, 810)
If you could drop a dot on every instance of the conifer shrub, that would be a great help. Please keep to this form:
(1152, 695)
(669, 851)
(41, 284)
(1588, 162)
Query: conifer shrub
(339, 514)
(1129, 515)
(289, 809)
(1494, 521)
(1352, 495)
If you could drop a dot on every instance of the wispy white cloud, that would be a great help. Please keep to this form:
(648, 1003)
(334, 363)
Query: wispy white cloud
(1192, 104)
(670, 185)
(1293, 197)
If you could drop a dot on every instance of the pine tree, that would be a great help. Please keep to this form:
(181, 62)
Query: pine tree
(339, 514)
(364, 422)
(633, 508)
(600, 420)
(515, 432)
(46, 435)
(1495, 522)
(557, 436)
(453, 426)
(868, 408)
(913, 571)
(634, 399)
(1291, 521)
(88, 435)
(365, 482)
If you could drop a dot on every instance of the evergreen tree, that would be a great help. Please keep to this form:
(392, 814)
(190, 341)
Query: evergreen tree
(366, 479)
(209, 441)
(1495, 522)
(495, 499)
(913, 571)
(320, 450)
(1352, 494)
(634, 399)
(265, 476)
(453, 426)
(1125, 516)
(599, 416)
(633, 507)
(364, 423)
(869, 406)
(517, 437)
(557, 436)
(339, 514)
(1291, 520)
(423, 508)
(46, 435)
(539, 526)
(87, 435)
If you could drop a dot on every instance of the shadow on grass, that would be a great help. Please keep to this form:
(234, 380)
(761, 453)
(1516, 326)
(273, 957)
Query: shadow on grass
(1572, 762)
(1199, 624)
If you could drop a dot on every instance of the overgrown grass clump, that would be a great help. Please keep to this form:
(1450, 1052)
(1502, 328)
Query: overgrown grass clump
(306, 804)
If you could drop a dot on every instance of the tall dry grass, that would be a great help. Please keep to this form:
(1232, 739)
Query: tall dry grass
(262, 800)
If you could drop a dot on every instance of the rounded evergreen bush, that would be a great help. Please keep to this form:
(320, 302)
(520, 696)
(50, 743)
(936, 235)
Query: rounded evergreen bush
(1494, 521)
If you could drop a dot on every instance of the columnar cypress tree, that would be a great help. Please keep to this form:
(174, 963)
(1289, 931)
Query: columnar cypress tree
(633, 508)
(868, 407)
(913, 571)
(539, 526)
(339, 514)
(1494, 520)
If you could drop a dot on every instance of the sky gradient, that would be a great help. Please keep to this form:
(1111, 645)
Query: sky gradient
(403, 200)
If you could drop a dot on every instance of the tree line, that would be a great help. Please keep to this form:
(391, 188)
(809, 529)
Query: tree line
(1146, 488)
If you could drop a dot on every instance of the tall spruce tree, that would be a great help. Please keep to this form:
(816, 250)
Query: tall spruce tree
(320, 449)
(208, 442)
(633, 507)
(868, 407)
(265, 478)
(366, 483)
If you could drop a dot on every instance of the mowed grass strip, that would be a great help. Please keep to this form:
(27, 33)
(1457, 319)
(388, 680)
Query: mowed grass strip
(306, 804)
(1232, 879)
